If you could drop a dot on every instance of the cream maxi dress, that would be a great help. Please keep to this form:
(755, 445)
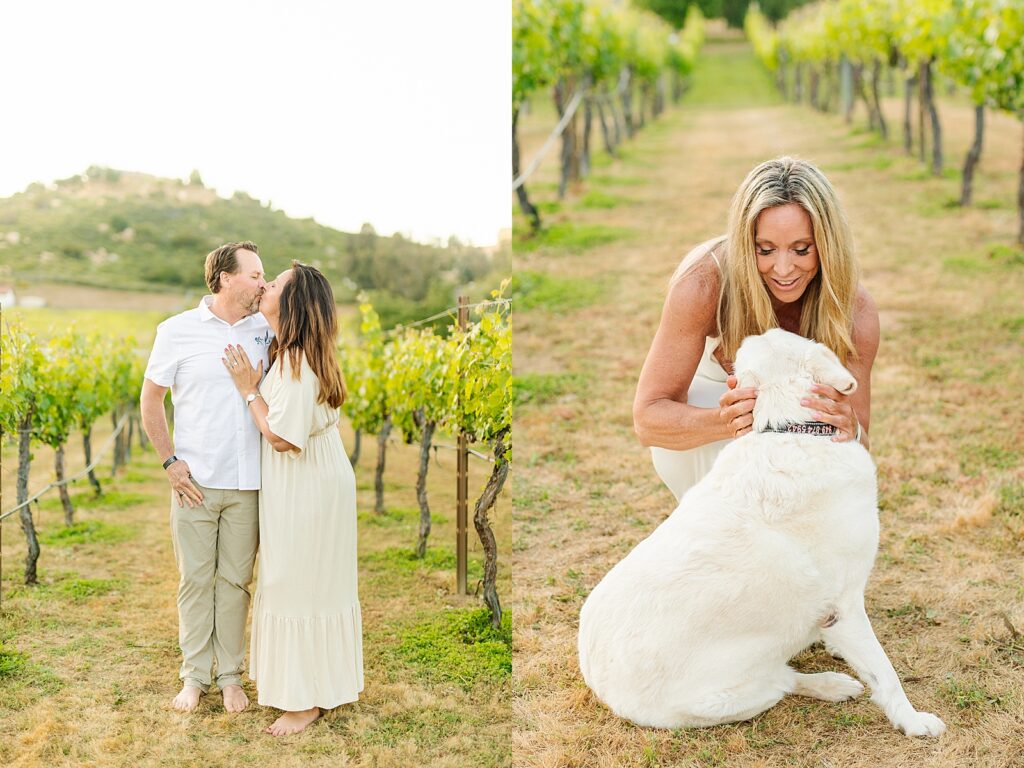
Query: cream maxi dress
(306, 649)
(680, 470)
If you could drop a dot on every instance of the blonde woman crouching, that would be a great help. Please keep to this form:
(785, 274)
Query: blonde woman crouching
(787, 262)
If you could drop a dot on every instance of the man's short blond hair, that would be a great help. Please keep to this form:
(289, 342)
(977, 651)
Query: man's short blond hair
(224, 259)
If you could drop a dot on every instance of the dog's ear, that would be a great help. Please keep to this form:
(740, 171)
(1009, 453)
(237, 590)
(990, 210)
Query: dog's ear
(747, 378)
(748, 356)
(825, 368)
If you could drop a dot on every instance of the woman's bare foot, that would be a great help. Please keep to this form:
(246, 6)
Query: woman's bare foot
(293, 722)
(187, 699)
(235, 699)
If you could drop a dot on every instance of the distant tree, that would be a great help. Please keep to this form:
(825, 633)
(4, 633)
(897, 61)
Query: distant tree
(734, 12)
(194, 179)
(71, 251)
(674, 11)
(364, 250)
(99, 173)
(776, 10)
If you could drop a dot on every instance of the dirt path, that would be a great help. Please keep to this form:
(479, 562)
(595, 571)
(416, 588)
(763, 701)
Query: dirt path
(943, 420)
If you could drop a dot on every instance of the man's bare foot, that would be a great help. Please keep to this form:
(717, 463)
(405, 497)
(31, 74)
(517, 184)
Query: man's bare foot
(293, 722)
(235, 699)
(187, 699)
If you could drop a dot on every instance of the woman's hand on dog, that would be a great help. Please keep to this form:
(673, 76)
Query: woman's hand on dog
(737, 408)
(830, 406)
(833, 407)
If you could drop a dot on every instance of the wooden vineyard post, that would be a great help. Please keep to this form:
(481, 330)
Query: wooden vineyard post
(462, 480)
(1, 490)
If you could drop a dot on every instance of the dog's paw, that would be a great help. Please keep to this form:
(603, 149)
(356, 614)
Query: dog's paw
(835, 686)
(828, 686)
(920, 724)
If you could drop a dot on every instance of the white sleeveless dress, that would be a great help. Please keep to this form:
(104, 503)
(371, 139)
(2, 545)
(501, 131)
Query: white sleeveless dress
(307, 644)
(680, 470)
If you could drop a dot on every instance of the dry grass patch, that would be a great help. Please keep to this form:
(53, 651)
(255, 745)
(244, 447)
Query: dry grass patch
(89, 658)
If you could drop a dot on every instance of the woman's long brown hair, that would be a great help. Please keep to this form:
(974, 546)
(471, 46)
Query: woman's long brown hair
(309, 325)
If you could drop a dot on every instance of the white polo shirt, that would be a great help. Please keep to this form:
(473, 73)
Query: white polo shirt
(213, 430)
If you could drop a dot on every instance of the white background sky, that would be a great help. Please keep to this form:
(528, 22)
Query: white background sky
(396, 113)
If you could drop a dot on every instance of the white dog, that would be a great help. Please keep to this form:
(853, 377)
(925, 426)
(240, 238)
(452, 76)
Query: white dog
(770, 552)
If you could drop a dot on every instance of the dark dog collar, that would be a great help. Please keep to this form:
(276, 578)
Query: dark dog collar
(804, 428)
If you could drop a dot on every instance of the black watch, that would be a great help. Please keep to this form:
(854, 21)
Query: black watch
(170, 461)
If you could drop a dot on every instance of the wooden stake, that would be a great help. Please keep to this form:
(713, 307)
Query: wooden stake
(1, 492)
(462, 481)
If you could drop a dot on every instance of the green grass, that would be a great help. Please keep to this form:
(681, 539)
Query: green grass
(12, 663)
(460, 647)
(1011, 499)
(67, 585)
(984, 260)
(85, 532)
(977, 458)
(966, 265)
(114, 501)
(396, 561)
(530, 290)
(912, 613)
(924, 173)
(391, 516)
(879, 163)
(870, 142)
(569, 236)
(987, 260)
(422, 725)
(83, 589)
(139, 325)
(725, 77)
(1014, 325)
(638, 155)
(404, 559)
(540, 388)
(22, 681)
(618, 181)
(849, 720)
(595, 198)
(970, 696)
(1007, 255)
(991, 204)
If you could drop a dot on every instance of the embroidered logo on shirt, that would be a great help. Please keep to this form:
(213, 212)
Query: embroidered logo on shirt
(265, 339)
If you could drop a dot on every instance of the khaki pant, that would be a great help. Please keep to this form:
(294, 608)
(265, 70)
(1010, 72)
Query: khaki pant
(215, 548)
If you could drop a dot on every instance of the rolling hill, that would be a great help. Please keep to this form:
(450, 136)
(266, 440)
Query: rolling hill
(119, 229)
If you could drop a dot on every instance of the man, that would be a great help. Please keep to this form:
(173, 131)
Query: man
(213, 467)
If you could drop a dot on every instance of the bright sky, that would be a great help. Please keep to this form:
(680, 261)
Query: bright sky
(396, 113)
